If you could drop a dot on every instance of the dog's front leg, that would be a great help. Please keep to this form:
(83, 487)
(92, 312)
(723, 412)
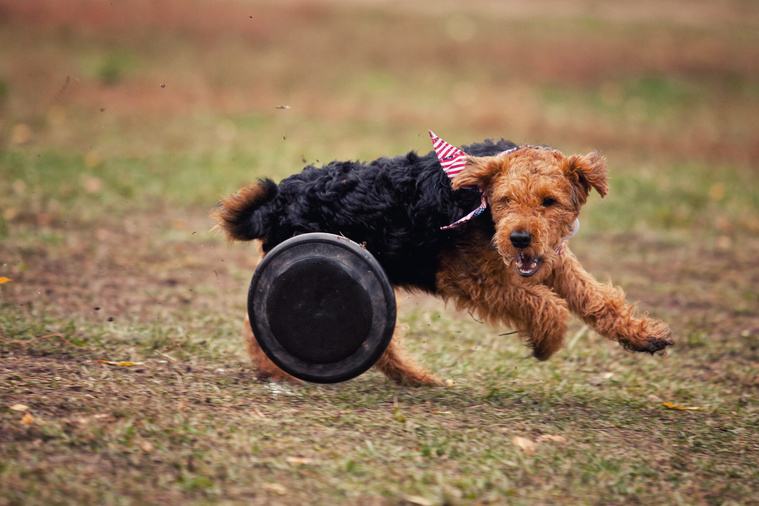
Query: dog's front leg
(535, 311)
(603, 307)
(482, 285)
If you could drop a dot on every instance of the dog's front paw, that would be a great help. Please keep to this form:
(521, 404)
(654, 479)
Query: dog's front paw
(657, 344)
(655, 339)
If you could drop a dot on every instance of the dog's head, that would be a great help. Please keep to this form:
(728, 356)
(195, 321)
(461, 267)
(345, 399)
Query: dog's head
(535, 195)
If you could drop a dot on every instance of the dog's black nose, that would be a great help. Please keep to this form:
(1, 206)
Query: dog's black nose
(520, 239)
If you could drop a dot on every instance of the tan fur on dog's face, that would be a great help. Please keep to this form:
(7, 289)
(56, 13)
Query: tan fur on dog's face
(535, 194)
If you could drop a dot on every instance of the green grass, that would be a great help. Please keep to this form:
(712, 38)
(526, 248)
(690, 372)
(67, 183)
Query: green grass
(107, 179)
(679, 196)
(201, 427)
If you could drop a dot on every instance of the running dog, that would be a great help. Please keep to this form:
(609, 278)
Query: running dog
(484, 226)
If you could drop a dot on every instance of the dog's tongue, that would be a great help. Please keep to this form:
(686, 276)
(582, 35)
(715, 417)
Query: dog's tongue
(527, 265)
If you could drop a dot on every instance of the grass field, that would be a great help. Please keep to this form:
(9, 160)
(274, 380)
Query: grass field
(123, 123)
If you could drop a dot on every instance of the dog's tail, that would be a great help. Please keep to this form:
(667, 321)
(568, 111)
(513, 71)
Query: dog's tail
(241, 215)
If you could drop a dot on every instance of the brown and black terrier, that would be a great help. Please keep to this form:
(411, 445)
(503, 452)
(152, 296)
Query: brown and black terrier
(508, 265)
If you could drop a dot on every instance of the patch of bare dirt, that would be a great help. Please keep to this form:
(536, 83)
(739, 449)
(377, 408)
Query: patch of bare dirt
(114, 269)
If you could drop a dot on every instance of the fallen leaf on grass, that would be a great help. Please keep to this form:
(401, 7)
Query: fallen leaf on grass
(418, 500)
(166, 356)
(27, 419)
(147, 447)
(299, 460)
(19, 407)
(92, 184)
(597, 380)
(120, 364)
(84, 420)
(4, 280)
(527, 445)
(275, 487)
(398, 415)
(550, 437)
(691, 408)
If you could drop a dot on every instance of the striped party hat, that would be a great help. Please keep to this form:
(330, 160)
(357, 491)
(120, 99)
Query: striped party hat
(453, 161)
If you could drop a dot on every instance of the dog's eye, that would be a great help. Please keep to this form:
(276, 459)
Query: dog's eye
(548, 202)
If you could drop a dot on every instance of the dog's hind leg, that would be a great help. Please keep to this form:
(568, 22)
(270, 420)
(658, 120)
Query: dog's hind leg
(266, 369)
(397, 365)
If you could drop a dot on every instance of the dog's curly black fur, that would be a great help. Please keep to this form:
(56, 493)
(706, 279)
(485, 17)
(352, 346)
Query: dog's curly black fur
(394, 206)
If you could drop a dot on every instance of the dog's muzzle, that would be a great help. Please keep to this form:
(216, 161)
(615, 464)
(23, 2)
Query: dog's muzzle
(526, 264)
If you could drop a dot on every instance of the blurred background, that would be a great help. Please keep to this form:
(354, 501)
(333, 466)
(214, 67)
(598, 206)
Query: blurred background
(666, 89)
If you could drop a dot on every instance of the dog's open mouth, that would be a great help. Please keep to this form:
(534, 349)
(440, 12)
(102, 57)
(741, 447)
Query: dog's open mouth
(527, 265)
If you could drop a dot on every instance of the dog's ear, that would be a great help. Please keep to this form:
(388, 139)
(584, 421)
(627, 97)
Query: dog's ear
(478, 171)
(588, 172)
